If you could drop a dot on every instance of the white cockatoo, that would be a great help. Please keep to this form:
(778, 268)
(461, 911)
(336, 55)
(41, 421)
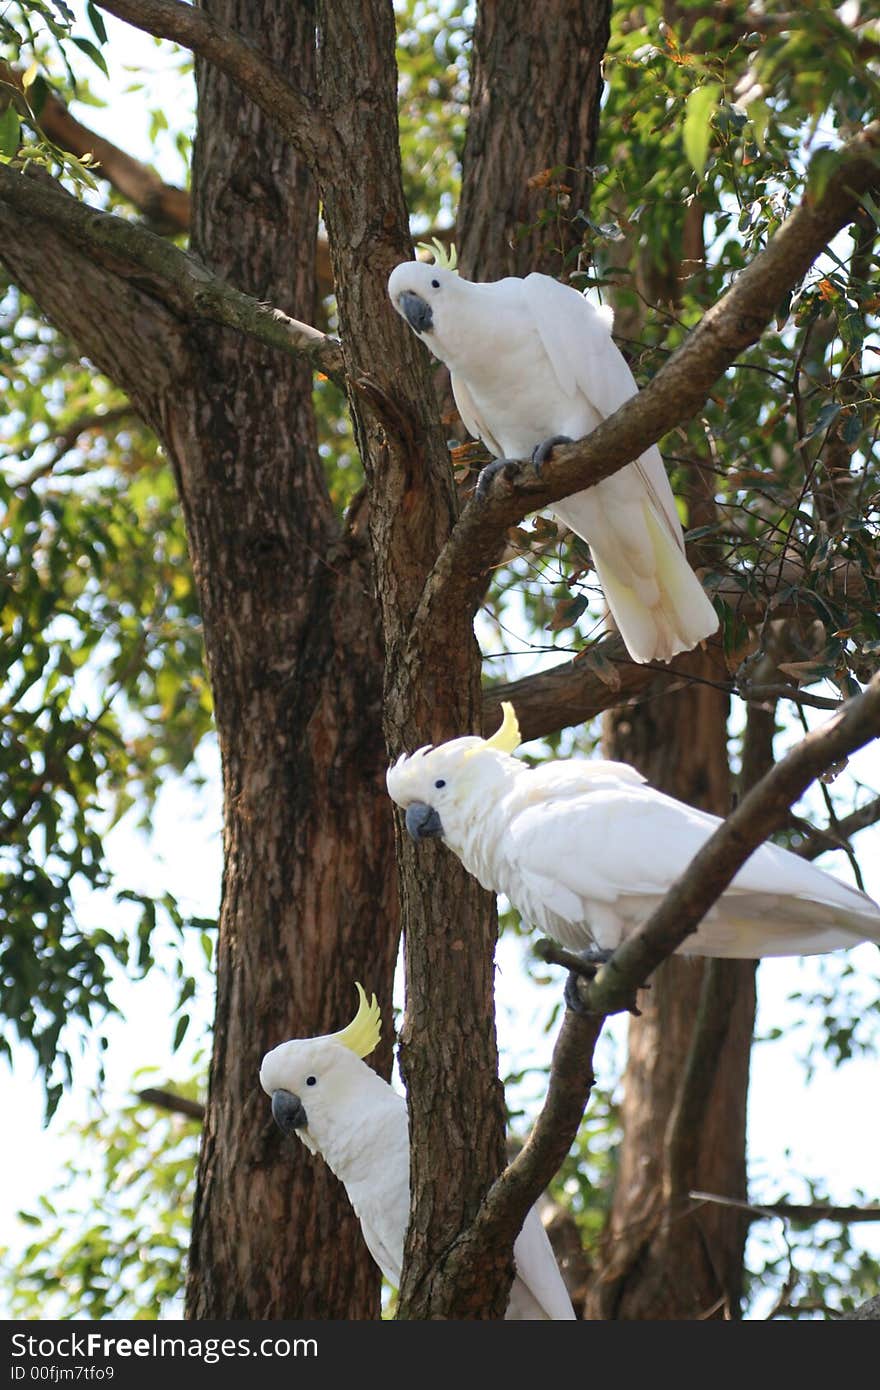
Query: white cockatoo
(585, 850)
(324, 1092)
(533, 363)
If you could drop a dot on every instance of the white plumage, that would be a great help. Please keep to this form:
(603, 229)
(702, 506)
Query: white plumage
(585, 850)
(345, 1112)
(531, 359)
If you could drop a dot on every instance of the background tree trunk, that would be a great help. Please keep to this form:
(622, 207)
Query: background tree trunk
(686, 1080)
(536, 81)
(681, 747)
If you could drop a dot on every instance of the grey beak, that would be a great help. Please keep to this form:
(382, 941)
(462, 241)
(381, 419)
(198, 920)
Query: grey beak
(288, 1112)
(422, 821)
(419, 314)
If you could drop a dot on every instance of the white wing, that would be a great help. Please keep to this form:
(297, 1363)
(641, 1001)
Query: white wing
(539, 1290)
(389, 1260)
(577, 339)
(470, 415)
(602, 861)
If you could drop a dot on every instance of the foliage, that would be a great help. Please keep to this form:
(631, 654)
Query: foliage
(808, 1270)
(432, 57)
(111, 1239)
(103, 689)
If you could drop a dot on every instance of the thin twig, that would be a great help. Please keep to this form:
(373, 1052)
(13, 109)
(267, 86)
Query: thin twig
(804, 1213)
(819, 839)
(66, 439)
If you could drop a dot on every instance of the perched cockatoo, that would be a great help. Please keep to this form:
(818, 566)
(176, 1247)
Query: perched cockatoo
(585, 850)
(340, 1108)
(533, 363)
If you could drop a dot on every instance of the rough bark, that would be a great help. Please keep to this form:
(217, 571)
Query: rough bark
(448, 1052)
(295, 661)
(866, 1312)
(536, 81)
(187, 287)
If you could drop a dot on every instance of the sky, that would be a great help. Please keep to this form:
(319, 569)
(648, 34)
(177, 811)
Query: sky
(828, 1127)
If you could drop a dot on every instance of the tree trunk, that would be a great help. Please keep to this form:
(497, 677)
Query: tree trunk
(296, 662)
(295, 659)
(448, 1051)
(664, 1257)
(522, 122)
(536, 82)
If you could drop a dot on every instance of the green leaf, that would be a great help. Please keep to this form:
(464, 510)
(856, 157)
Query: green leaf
(759, 115)
(92, 51)
(697, 130)
(97, 22)
(10, 132)
(180, 1031)
(870, 206)
(824, 163)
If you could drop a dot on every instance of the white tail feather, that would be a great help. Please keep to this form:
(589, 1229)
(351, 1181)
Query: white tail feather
(657, 616)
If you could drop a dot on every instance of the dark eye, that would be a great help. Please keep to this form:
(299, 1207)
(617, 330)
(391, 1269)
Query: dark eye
(435, 284)
(439, 783)
(311, 1080)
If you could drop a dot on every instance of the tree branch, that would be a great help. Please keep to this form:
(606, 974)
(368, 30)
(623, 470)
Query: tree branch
(819, 840)
(166, 207)
(170, 1100)
(678, 390)
(508, 1200)
(173, 276)
(604, 675)
(791, 1211)
(96, 421)
(761, 811)
(252, 70)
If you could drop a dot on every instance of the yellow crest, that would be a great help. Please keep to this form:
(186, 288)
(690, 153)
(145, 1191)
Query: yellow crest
(365, 1029)
(507, 738)
(446, 260)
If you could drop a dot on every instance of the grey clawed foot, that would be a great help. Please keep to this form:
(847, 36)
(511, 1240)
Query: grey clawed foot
(542, 451)
(509, 467)
(484, 481)
(592, 959)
